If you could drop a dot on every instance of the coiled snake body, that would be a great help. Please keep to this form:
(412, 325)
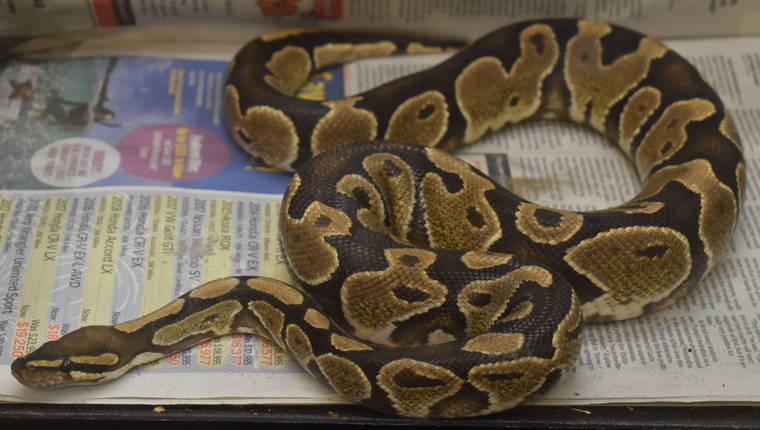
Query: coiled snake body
(432, 291)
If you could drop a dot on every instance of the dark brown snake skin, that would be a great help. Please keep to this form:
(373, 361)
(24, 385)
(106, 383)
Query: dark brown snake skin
(426, 289)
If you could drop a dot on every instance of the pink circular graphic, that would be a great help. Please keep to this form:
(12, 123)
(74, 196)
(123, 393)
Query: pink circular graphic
(172, 152)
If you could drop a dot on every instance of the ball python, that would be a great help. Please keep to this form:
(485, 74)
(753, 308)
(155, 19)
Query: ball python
(425, 289)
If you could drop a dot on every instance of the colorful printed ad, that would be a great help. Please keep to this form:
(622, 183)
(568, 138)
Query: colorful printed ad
(127, 121)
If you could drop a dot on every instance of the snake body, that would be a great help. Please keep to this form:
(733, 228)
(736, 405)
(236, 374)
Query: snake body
(426, 289)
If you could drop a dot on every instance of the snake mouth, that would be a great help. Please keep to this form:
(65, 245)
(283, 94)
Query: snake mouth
(38, 377)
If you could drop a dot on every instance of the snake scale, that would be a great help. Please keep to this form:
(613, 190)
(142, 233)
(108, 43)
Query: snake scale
(426, 289)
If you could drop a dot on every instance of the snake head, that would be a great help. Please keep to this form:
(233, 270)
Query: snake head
(89, 355)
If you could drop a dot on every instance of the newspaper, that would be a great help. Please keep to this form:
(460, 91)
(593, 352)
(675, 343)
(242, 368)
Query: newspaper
(127, 179)
(236, 20)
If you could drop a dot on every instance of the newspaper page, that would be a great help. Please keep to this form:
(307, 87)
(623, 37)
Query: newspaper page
(235, 18)
(707, 346)
(108, 213)
(144, 227)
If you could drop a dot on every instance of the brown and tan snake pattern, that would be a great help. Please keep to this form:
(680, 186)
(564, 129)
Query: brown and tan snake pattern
(426, 289)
